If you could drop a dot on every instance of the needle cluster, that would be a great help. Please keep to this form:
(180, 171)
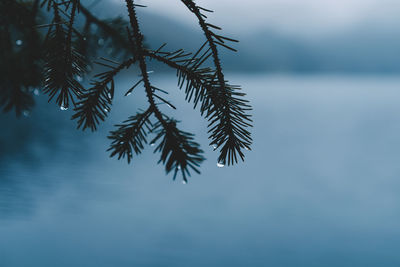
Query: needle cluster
(67, 58)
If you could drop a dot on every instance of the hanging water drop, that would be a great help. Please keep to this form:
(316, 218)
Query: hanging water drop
(214, 146)
(106, 109)
(109, 95)
(184, 182)
(247, 148)
(152, 144)
(18, 42)
(129, 93)
(36, 92)
(79, 78)
(220, 164)
(26, 113)
(63, 108)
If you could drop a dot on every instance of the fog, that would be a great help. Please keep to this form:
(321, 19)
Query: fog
(302, 18)
(319, 187)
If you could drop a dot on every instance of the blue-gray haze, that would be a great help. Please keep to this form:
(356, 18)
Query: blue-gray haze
(320, 187)
(295, 36)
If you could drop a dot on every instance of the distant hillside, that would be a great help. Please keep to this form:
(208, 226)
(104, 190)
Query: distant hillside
(362, 51)
(369, 49)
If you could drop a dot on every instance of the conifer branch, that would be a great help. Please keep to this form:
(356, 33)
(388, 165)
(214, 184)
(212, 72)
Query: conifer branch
(178, 150)
(65, 60)
(229, 130)
(197, 79)
(131, 135)
(139, 50)
(63, 64)
(95, 103)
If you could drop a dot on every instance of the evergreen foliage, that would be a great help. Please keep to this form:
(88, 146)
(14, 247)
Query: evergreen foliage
(59, 59)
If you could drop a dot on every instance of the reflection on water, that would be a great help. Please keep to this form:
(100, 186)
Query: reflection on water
(320, 187)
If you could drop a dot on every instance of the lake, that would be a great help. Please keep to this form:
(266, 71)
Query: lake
(320, 187)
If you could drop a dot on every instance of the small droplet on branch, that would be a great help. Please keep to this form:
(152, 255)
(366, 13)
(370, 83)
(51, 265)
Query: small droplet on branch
(220, 164)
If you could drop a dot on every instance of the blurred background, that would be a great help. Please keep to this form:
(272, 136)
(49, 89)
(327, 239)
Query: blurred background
(319, 187)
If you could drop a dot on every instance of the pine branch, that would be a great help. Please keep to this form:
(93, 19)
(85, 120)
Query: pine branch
(95, 103)
(228, 121)
(196, 79)
(63, 64)
(71, 24)
(199, 81)
(130, 136)
(178, 150)
(139, 50)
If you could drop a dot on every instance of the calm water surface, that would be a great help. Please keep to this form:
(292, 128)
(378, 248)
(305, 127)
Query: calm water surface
(320, 188)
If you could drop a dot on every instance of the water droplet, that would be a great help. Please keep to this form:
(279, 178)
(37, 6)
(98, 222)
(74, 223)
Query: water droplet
(150, 71)
(247, 148)
(121, 143)
(214, 146)
(79, 78)
(18, 42)
(62, 107)
(106, 109)
(36, 92)
(179, 167)
(109, 95)
(184, 182)
(84, 38)
(128, 93)
(220, 164)
(100, 41)
(26, 113)
(152, 144)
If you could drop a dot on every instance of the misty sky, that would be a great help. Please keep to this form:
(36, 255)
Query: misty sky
(302, 17)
